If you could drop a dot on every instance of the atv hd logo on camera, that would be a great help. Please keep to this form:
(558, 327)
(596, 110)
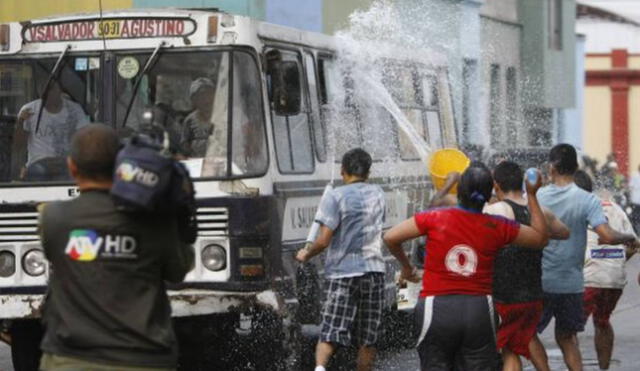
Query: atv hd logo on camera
(88, 245)
(130, 172)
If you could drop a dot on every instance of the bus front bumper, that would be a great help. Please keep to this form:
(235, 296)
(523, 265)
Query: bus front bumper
(194, 302)
(20, 305)
(184, 303)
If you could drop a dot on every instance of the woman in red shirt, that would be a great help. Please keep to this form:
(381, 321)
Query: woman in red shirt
(455, 312)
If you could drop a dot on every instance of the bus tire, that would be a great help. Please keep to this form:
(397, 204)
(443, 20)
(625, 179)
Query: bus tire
(26, 336)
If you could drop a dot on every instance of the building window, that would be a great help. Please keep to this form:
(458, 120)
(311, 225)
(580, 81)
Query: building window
(554, 20)
(512, 105)
(539, 123)
(494, 105)
(469, 78)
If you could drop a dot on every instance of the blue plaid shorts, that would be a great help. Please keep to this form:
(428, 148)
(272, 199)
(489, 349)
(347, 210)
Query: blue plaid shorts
(353, 307)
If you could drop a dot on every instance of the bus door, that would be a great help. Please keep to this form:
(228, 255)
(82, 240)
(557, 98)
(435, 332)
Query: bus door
(300, 145)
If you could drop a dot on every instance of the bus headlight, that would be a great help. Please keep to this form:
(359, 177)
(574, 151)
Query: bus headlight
(34, 262)
(214, 258)
(7, 264)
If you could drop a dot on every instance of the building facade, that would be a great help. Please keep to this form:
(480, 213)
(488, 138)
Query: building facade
(612, 62)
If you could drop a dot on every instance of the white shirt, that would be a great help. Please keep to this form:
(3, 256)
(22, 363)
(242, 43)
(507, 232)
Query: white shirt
(604, 264)
(53, 137)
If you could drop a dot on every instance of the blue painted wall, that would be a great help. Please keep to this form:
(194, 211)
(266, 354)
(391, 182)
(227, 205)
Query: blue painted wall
(302, 14)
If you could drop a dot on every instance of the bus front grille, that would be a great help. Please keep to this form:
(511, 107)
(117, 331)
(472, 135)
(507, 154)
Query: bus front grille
(213, 221)
(23, 226)
(18, 226)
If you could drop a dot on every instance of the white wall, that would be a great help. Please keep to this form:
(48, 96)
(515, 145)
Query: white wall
(500, 46)
(602, 36)
(571, 128)
(504, 10)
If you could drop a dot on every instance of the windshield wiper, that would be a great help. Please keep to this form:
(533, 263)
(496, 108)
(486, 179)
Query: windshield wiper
(150, 62)
(45, 92)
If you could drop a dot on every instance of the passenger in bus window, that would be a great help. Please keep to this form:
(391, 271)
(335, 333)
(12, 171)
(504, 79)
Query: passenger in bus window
(46, 143)
(197, 126)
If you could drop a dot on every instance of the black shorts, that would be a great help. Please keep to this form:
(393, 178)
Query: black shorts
(568, 310)
(353, 305)
(456, 332)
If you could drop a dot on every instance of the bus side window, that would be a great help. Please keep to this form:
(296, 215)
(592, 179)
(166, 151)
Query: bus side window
(339, 111)
(401, 84)
(319, 130)
(292, 134)
(447, 122)
(324, 63)
(378, 132)
(430, 99)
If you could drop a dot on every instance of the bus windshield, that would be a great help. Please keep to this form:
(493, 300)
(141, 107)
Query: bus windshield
(209, 102)
(189, 95)
(36, 151)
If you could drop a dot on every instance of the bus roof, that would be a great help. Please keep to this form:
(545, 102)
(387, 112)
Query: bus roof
(146, 29)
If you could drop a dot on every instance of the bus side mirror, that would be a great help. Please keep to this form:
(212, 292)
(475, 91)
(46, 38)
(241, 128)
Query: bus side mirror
(286, 88)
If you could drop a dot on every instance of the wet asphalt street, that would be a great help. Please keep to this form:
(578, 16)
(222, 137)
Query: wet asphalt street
(625, 320)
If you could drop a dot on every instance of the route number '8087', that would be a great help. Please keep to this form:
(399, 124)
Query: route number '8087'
(462, 259)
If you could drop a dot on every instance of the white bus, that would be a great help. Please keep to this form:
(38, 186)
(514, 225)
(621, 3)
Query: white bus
(259, 167)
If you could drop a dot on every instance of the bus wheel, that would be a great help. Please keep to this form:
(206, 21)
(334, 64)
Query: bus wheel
(26, 336)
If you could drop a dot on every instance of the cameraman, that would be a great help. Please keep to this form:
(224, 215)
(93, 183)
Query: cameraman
(107, 306)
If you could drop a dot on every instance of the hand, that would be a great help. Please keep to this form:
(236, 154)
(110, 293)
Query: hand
(25, 114)
(532, 189)
(410, 274)
(302, 255)
(634, 244)
(453, 177)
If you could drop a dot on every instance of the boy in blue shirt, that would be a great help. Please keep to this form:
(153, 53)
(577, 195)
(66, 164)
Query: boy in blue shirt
(563, 261)
(351, 218)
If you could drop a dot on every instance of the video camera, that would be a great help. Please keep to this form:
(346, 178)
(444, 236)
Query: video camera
(148, 179)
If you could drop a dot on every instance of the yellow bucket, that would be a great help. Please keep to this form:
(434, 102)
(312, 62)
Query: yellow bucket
(443, 162)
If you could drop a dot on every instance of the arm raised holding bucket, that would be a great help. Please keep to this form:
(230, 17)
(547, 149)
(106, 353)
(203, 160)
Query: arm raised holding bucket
(443, 196)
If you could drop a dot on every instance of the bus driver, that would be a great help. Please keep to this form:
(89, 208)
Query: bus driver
(60, 119)
(197, 125)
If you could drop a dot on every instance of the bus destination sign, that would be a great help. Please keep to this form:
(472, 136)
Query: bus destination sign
(111, 28)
